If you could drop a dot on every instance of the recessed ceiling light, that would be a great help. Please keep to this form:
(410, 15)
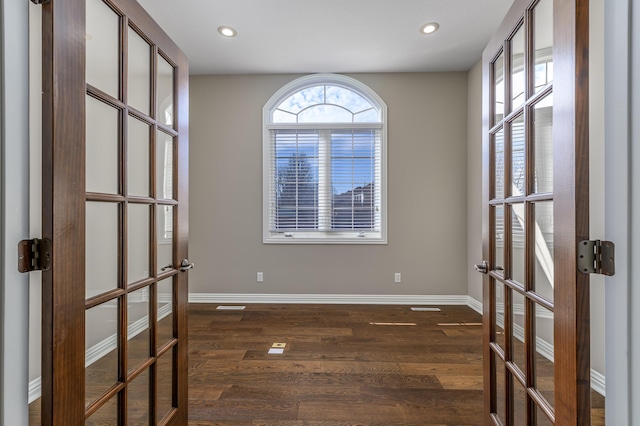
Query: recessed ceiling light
(429, 28)
(227, 31)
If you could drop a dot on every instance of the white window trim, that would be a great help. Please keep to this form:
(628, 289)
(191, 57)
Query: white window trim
(318, 237)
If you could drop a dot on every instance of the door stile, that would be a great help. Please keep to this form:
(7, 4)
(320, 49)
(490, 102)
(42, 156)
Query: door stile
(488, 252)
(181, 249)
(571, 190)
(63, 194)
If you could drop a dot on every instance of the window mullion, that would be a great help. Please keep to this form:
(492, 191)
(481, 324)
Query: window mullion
(324, 180)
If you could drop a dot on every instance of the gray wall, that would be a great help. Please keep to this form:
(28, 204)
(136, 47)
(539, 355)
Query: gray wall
(427, 194)
(474, 180)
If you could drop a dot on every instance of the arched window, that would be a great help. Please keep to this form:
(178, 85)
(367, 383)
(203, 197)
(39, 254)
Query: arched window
(324, 159)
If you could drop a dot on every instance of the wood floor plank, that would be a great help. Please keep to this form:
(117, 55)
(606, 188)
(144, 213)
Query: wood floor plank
(337, 369)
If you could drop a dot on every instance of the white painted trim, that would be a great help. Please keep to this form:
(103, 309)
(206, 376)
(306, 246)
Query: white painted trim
(35, 389)
(474, 304)
(621, 191)
(598, 382)
(338, 299)
(14, 210)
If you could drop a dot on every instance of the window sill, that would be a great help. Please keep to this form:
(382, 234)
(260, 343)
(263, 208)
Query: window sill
(324, 238)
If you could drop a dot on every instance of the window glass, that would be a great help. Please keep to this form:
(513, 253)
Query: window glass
(324, 163)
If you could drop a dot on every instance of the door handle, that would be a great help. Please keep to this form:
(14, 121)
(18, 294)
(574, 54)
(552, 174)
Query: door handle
(186, 265)
(483, 267)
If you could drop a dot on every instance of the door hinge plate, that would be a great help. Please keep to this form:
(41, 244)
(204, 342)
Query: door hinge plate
(596, 257)
(34, 255)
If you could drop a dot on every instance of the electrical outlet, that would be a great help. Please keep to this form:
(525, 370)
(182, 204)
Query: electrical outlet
(398, 277)
(260, 277)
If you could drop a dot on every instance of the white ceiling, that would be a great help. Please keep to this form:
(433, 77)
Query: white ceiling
(340, 36)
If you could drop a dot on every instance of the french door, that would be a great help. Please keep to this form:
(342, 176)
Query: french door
(536, 174)
(115, 147)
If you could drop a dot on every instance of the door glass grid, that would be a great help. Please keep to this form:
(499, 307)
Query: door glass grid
(126, 166)
(527, 209)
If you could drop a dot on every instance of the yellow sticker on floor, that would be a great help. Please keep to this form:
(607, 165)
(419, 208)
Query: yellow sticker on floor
(278, 345)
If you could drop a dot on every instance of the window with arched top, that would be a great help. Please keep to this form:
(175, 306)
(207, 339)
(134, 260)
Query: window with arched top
(324, 159)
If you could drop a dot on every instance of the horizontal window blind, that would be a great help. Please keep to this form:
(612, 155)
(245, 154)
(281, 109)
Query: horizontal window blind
(324, 180)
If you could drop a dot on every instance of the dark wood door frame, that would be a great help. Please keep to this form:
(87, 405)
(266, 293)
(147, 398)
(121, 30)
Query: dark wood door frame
(571, 207)
(64, 197)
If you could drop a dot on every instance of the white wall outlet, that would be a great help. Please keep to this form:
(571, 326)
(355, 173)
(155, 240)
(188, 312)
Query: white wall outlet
(260, 277)
(398, 277)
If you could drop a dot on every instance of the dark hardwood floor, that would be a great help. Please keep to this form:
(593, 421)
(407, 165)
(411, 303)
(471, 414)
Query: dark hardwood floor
(338, 367)
(342, 365)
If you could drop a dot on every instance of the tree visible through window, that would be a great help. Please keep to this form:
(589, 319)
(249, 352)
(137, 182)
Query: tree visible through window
(324, 162)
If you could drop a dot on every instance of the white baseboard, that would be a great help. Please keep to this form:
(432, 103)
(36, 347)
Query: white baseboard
(98, 351)
(474, 304)
(338, 299)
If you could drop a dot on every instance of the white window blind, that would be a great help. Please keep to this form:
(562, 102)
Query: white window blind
(324, 163)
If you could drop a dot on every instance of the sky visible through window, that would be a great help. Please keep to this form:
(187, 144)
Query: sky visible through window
(325, 104)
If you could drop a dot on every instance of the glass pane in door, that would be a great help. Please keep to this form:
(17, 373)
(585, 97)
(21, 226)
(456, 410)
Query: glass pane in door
(164, 237)
(138, 158)
(543, 43)
(518, 165)
(164, 371)
(499, 316)
(106, 415)
(103, 41)
(164, 166)
(543, 144)
(138, 400)
(517, 70)
(139, 81)
(518, 243)
(499, 238)
(542, 419)
(101, 353)
(139, 226)
(544, 356)
(498, 164)
(164, 291)
(101, 259)
(519, 402)
(138, 332)
(498, 89)
(501, 388)
(165, 92)
(544, 266)
(518, 330)
(102, 141)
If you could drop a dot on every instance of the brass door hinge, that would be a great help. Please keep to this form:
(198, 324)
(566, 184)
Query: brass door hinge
(596, 257)
(34, 255)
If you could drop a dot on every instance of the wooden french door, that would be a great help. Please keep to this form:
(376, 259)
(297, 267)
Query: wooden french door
(536, 174)
(115, 147)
